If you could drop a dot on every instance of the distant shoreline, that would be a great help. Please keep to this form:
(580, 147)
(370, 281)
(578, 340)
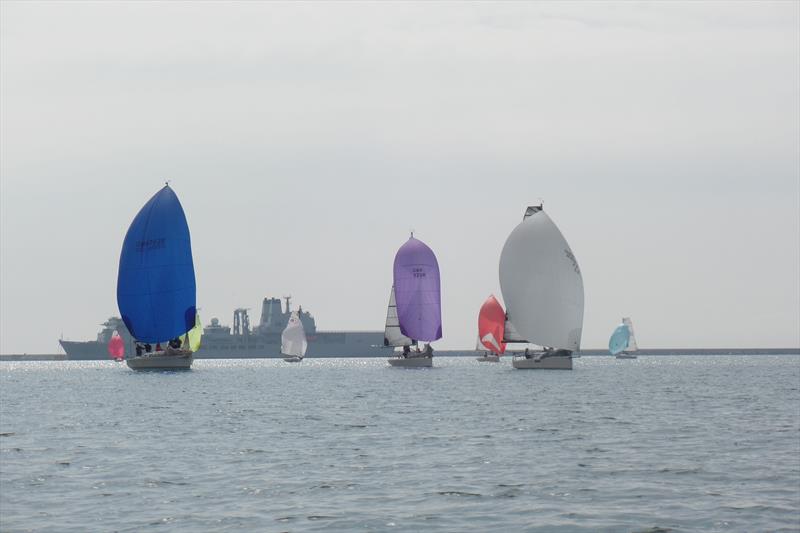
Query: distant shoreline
(472, 353)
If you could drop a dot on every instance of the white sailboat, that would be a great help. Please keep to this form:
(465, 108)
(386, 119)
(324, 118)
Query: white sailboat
(293, 340)
(543, 292)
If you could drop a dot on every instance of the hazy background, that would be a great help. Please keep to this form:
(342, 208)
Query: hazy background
(306, 140)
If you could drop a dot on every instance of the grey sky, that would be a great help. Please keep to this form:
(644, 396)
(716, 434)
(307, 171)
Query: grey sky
(306, 140)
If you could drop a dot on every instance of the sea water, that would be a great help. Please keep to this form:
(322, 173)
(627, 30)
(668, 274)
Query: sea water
(682, 443)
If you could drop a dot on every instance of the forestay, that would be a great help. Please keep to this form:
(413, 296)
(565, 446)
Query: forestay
(542, 284)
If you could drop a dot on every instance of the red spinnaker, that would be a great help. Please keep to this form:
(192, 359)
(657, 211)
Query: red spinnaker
(116, 347)
(491, 323)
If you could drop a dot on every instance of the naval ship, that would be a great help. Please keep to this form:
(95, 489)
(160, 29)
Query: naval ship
(244, 341)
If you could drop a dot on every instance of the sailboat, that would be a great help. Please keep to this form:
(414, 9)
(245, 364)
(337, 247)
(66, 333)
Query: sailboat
(418, 305)
(156, 288)
(116, 347)
(543, 291)
(491, 325)
(623, 341)
(293, 340)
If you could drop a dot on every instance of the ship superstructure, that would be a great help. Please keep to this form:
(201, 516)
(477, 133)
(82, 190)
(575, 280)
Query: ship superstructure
(245, 341)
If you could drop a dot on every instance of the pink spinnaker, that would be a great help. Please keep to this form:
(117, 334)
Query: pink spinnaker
(116, 347)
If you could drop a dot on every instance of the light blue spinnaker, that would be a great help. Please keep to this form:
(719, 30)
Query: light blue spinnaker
(619, 339)
(156, 291)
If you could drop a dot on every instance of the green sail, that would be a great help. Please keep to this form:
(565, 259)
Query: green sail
(195, 334)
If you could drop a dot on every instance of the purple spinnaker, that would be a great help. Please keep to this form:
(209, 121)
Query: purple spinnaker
(417, 291)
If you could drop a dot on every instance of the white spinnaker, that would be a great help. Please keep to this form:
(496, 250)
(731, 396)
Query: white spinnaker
(632, 346)
(542, 284)
(392, 335)
(293, 338)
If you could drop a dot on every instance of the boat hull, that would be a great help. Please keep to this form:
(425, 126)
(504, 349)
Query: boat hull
(625, 356)
(160, 362)
(411, 362)
(488, 359)
(293, 359)
(545, 363)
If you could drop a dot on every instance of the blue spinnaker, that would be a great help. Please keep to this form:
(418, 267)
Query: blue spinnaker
(156, 291)
(619, 339)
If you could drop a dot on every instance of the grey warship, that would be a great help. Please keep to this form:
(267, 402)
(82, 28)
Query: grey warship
(243, 341)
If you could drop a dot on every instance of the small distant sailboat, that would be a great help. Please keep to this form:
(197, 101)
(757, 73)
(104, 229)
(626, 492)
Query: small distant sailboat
(623, 341)
(156, 289)
(543, 291)
(293, 340)
(491, 326)
(416, 294)
(116, 347)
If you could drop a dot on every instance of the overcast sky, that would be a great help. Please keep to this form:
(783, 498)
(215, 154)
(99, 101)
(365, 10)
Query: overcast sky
(306, 140)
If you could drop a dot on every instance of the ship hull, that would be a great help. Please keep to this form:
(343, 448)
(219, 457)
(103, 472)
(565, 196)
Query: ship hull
(321, 344)
(85, 351)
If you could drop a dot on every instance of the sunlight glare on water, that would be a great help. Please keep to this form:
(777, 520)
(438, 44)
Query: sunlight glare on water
(681, 443)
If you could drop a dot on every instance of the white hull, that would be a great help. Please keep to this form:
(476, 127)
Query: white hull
(488, 359)
(292, 359)
(160, 361)
(412, 362)
(625, 356)
(546, 363)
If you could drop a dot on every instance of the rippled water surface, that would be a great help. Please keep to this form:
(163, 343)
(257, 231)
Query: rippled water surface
(678, 443)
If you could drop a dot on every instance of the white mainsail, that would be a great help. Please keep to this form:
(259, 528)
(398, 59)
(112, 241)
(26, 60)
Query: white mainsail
(293, 338)
(510, 333)
(392, 335)
(542, 284)
(632, 346)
